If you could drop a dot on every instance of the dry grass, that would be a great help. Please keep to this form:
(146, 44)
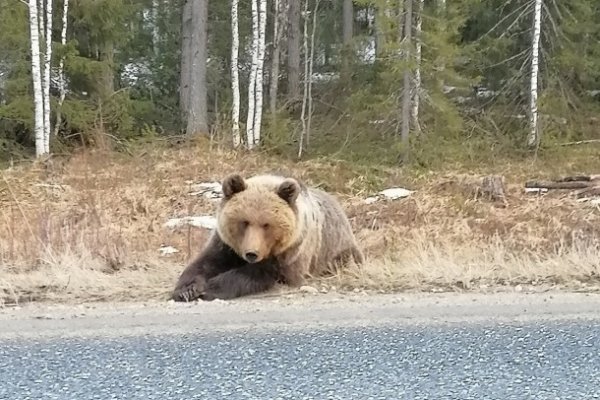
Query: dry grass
(89, 228)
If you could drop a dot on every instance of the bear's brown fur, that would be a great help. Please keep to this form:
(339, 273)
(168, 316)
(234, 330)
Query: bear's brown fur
(269, 228)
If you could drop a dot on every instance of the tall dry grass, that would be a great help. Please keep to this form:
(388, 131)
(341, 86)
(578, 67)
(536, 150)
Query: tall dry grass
(90, 227)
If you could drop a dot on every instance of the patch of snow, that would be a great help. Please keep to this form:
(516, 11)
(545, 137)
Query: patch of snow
(324, 77)
(202, 221)
(166, 250)
(396, 193)
(536, 190)
(309, 289)
(210, 190)
(390, 194)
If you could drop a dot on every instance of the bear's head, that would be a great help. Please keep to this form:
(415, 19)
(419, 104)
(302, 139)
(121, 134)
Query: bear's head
(258, 217)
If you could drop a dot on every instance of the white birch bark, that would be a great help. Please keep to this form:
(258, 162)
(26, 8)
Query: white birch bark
(274, 84)
(311, 59)
(235, 76)
(252, 80)
(262, 24)
(46, 81)
(306, 78)
(61, 67)
(533, 137)
(36, 75)
(406, 109)
(42, 37)
(418, 44)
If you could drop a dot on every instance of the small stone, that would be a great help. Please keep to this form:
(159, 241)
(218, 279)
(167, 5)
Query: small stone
(308, 289)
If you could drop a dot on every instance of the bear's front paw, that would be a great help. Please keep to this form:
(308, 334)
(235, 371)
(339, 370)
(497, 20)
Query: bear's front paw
(212, 290)
(189, 291)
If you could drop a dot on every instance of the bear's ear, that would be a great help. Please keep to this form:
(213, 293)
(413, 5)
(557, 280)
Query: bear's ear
(289, 190)
(233, 184)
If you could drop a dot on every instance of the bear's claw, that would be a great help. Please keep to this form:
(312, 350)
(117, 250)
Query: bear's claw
(189, 292)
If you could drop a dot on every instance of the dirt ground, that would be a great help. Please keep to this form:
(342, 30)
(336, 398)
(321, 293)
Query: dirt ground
(90, 227)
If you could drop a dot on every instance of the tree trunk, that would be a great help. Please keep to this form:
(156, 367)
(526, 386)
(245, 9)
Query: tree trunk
(107, 79)
(533, 137)
(417, 89)
(310, 62)
(274, 84)
(262, 26)
(407, 82)
(186, 58)
(347, 33)
(252, 79)
(36, 75)
(306, 80)
(46, 81)
(61, 67)
(442, 19)
(382, 20)
(197, 118)
(293, 65)
(155, 31)
(235, 75)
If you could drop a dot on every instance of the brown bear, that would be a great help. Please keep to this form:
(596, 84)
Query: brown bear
(270, 229)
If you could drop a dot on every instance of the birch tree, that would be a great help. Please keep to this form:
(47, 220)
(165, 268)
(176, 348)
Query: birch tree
(235, 80)
(255, 90)
(533, 137)
(308, 72)
(406, 97)
(279, 7)
(46, 80)
(36, 75)
(61, 67)
(252, 79)
(262, 26)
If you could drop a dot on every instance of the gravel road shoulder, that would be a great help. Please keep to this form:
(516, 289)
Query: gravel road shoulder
(298, 311)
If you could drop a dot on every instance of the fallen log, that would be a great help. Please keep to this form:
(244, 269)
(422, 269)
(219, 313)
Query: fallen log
(586, 185)
(560, 185)
(584, 178)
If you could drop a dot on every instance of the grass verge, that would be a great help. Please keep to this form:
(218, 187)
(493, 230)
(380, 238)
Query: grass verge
(90, 227)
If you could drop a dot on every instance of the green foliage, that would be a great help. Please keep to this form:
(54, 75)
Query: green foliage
(122, 63)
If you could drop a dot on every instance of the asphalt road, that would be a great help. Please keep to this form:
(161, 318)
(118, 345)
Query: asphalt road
(382, 348)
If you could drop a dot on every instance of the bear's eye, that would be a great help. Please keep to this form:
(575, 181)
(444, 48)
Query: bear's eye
(265, 226)
(244, 224)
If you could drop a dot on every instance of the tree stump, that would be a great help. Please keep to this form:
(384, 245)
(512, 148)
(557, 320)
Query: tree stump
(492, 187)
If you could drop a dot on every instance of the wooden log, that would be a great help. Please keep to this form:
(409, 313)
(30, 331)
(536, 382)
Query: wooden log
(589, 192)
(584, 178)
(560, 185)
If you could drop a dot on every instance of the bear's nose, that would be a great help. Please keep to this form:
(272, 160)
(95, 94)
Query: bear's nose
(251, 256)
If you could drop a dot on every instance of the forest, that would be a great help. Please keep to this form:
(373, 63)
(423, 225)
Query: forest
(117, 117)
(402, 81)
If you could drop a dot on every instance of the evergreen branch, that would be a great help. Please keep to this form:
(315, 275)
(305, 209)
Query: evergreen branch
(518, 9)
